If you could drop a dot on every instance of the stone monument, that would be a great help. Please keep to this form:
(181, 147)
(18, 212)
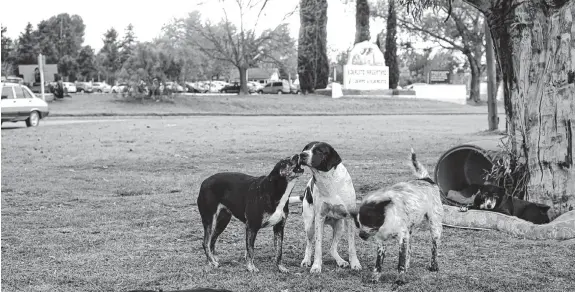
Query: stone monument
(365, 69)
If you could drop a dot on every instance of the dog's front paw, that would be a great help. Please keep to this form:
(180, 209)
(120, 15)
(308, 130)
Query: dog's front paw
(214, 264)
(252, 268)
(315, 269)
(282, 269)
(463, 209)
(342, 264)
(306, 263)
(355, 265)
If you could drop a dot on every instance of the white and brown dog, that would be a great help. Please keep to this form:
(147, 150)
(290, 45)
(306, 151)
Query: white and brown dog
(395, 211)
(328, 197)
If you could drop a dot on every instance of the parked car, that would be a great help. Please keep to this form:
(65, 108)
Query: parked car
(277, 87)
(195, 87)
(84, 87)
(14, 79)
(101, 87)
(175, 86)
(118, 88)
(70, 87)
(255, 85)
(19, 103)
(234, 88)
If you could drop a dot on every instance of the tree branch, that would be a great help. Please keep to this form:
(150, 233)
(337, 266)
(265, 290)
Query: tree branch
(410, 26)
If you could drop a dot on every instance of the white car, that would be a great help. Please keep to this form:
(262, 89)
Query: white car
(20, 104)
(70, 87)
(101, 87)
(118, 88)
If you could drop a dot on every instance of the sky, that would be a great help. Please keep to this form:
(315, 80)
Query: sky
(148, 19)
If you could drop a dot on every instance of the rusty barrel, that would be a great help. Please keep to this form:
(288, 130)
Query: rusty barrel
(466, 164)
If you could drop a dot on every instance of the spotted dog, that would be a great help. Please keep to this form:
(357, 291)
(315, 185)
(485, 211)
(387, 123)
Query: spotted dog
(395, 211)
(327, 198)
(257, 201)
(494, 198)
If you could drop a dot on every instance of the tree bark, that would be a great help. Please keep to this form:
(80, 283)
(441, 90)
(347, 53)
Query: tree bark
(243, 80)
(390, 54)
(313, 64)
(475, 75)
(361, 21)
(535, 45)
(492, 118)
(322, 69)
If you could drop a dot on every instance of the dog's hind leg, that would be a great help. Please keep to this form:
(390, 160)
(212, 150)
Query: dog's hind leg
(403, 258)
(207, 212)
(378, 262)
(353, 260)
(436, 229)
(278, 243)
(251, 233)
(308, 220)
(338, 229)
(222, 221)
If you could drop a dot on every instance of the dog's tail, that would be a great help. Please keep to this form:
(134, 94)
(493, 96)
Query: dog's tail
(418, 169)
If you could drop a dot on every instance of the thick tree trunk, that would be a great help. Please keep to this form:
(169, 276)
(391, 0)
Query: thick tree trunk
(313, 65)
(243, 80)
(535, 46)
(475, 74)
(361, 21)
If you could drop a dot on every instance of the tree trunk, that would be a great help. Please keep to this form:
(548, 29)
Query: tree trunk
(390, 54)
(474, 84)
(361, 21)
(492, 118)
(537, 57)
(243, 81)
(322, 78)
(313, 64)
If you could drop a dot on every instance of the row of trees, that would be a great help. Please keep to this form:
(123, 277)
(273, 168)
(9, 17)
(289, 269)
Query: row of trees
(188, 48)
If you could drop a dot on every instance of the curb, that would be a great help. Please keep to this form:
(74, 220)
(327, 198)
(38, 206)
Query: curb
(256, 114)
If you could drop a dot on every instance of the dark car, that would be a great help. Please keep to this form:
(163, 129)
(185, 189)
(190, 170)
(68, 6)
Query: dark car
(235, 88)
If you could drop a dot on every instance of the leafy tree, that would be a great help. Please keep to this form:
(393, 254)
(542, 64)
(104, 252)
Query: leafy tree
(391, 46)
(127, 44)
(26, 52)
(532, 41)
(362, 21)
(110, 54)
(313, 64)
(7, 53)
(59, 36)
(240, 47)
(86, 63)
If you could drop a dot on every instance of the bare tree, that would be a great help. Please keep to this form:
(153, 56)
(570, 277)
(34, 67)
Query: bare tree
(240, 45)
(462, 32)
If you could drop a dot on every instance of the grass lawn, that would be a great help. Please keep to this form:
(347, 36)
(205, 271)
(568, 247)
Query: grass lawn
(108, 104)
(110, 206)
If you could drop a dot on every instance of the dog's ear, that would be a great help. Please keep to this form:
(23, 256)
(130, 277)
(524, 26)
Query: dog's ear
(332, 160)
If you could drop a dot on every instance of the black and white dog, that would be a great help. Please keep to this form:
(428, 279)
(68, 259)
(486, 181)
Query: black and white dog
(395, 211)
(494, 198)
(327, 199)
(257, 201)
